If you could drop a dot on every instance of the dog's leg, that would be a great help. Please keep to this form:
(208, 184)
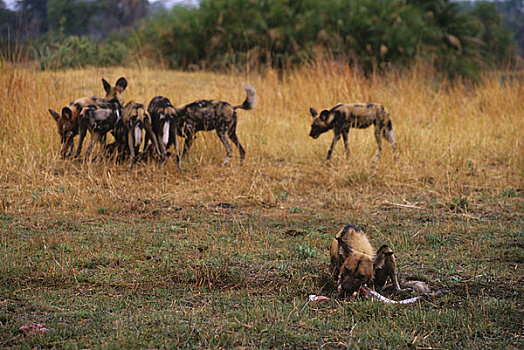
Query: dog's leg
(161, 145)
(149, 130)
(67, 147)
(131, 144)
(146, 142)
(388, 133)
(378, 131)
(83, 132)
(234, 139)
(335, 268)
(177, 152)
(187, 144)
(173, 139)
(391, 267)
(333, 143)
(229, 151)
(386, 267)
(346, 142)
(95, 137)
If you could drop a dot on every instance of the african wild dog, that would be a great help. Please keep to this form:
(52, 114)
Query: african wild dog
(164, 124)
(68, 121)
(344, 116)
(104, 121)
(129, 129)
(99, 121)
(213, 115)
(354, 262)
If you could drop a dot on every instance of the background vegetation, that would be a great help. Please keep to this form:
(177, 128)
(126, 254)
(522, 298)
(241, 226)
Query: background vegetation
(458, 39)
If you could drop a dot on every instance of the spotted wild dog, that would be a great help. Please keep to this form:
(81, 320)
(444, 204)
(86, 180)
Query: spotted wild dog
(68, 122)
(105, 120)
(129, 128)
(99, 119)
(164, 124)
(354, 262)
(205, 115)
(344, 116)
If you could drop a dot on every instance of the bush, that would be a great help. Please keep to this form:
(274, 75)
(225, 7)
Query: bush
(77, 52)
(369, 34)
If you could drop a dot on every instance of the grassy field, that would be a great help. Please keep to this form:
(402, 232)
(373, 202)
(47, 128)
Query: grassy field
(221, 257)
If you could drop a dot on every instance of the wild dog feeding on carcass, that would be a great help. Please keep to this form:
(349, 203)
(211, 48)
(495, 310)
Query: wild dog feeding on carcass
(357, 267)
(354, 262)
(344, 116)
(69, 121)
(164, 124)
(214, 115)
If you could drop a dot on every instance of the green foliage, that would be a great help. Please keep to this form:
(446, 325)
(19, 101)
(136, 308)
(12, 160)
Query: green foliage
(498, 39)
(369, 34)
(508, 192)
(76, 52)
(304, 251)
(69, 16)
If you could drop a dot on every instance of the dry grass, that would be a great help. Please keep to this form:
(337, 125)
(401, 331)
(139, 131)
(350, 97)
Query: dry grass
(453, 139)
(80, 238)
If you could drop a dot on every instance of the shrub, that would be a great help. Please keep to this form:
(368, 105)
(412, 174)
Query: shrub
(77, 52)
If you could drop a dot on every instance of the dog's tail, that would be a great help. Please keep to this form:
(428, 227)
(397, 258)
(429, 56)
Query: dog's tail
(251, 98)
(387, 132)
(141, 114)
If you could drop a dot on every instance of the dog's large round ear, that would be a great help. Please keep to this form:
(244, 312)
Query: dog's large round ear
(107, 86)
(343, 248)
(378, 261)
(121, 83)
(78, 107)
(66, 113)
(327, 116)
(54, 114)
(313, 112)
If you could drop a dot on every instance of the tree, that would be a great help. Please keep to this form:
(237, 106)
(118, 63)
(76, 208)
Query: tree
(499, 47)
(33, 15)
(116, 15)
(7, 21)
(70, 17)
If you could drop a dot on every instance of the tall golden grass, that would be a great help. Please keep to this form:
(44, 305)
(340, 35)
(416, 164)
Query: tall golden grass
(455, 140)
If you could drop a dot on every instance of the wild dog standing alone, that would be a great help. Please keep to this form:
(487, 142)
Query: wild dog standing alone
(354, 262)
(68, 122)
(344, 116)
(212, 114)
(163, 120)
(129, 129)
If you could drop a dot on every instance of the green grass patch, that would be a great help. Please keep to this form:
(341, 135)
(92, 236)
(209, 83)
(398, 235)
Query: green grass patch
(211, 279)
